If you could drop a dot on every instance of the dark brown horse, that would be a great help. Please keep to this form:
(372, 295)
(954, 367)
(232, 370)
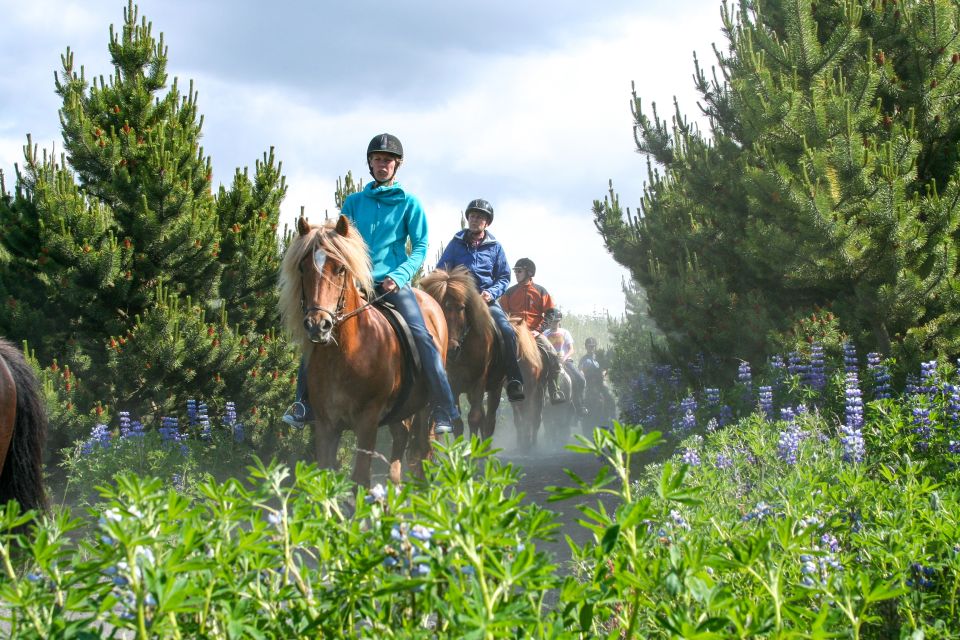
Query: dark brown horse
(528, 413)
(355, 361)
(23, 431)
(474, 365)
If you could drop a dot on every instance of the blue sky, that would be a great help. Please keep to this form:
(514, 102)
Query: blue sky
(525, 104)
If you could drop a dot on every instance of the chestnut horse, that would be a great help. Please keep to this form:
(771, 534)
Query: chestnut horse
(23, 431)
(355, 361)
(474, 358)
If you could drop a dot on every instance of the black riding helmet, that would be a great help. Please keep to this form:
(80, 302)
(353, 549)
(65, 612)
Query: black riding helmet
(590, 342)
(385, 143)
(482, 206)
(526, 263)
(553, 314)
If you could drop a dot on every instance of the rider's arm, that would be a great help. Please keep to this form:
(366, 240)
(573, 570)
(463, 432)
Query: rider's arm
(416, 227)
(501, 274)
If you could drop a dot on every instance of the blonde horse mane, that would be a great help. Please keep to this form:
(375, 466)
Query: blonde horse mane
(460, 285)
(349, 250)
(526, 343)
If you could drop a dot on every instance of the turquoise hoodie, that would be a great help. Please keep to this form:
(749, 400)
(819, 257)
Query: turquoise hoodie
(386, 217)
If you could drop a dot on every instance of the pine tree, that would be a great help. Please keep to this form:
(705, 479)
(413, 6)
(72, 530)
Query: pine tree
(119, 262)
(828, 179)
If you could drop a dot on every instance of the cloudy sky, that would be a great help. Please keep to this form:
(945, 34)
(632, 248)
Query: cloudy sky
(525, 104)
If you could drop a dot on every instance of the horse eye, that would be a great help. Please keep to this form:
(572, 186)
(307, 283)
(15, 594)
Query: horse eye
(341, 269)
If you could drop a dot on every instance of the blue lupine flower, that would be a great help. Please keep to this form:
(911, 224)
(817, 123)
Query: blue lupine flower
(712, 396)
(881, 376)
(726, 415)
(788, 444)
(850, 364)
(922, 576)
(204, 421)
(191, 412)
(99, 438)
(177, 481)
(759, 512)
(744, 375)
(765, 397)
(922, 425)
(723, 461)
(691, 457)
(928, 378)
(830, 542)
(852, 434)
(795, 364)
(377, 494)
(912, 384)
(816, 374)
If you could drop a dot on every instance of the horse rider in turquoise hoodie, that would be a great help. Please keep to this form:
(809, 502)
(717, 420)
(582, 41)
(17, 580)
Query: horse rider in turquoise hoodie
(386, 216)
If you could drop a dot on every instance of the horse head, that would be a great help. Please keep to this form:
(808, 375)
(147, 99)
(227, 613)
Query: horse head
(328, 280)
(457, 294)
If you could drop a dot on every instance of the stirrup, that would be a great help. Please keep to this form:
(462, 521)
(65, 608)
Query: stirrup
(515, 391)
(557, 396)
(296, 415)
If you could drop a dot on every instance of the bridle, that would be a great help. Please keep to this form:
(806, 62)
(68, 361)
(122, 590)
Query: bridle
(337, 316)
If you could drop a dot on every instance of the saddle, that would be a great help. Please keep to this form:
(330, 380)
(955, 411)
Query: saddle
(412, 367)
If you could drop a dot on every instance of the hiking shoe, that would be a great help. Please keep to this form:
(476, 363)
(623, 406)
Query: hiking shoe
(442, 427)
(515, 391)
(296, 415)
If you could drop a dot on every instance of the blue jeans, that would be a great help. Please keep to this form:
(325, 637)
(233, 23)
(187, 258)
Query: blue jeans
(509, 334)
(438, 387)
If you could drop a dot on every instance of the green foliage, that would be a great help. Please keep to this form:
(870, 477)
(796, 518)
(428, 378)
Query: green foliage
(828, 179)
(123, 270)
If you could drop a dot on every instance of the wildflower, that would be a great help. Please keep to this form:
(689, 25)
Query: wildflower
(422, 533)
(726, 415)
(795, 365)
(712, 395)
(377, 494)
(765, 396)
(922, 426)
(816, 374)
(788, 444)
(849, 357)
(743, 374)
(922, 576)
(712, 425)
(881, 376)
(99, 437)
(928, 378)
(177, 481)
(723, 461)
(852, 434)
(759, 512)
(690, 457)
(204, 421)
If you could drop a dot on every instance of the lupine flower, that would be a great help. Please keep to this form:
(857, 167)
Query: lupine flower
(881, 376)
(712, 425)
(928, 378)
(377, 494)
(922, 576)
(130, 429)
(922, 426)
(795, 364)
(191, 412)
(850, 364)
(690, 457)
(765, 397)
(788, 444)
(170, 433)
(204, 421)
(712, 396)
(912, 384)
(759, 512)
(177, 481)
(816, 375)
(230, 421)
(723, 461)
(99, 438)
(852, 435)
(744, 375)
(688, 418)
(726, 415)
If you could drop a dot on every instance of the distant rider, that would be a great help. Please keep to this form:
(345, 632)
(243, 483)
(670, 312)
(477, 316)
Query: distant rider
(387, 216)
(594, 372)
(529, 301)
(562, 341)
(481, 254)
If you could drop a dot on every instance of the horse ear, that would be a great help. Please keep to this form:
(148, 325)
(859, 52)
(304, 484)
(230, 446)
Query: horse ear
(343, 225)
(303, 226)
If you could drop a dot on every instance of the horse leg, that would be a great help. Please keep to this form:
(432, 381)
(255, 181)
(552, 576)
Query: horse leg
(476, 416)
(326, 442)
(366, 431)
(493, 404)
(401, 434)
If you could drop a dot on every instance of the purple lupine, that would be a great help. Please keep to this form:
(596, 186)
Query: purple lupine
(230, 421)
(881, 376)
(852, 429)
(191, 412)
(778, 369)
(788, 415)
(690, 457)
(765, 396)
(99, 438)
(170, 433)
(203, 420)
(928, 378)
(723, 461)
(712, 396)
(788, 444)
(759, 512)
(687, 412)
(850, 363)
(912, 384)
(922, 425)
(795, 365)
(744, 375)
(726, 415)
(130, 428)
(816, 374)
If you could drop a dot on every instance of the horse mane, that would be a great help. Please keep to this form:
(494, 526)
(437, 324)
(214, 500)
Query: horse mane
(349, 250)
(460, 286)
(526, 343)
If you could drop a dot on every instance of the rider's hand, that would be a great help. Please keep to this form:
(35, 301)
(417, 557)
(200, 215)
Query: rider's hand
(486, 296)
(388, 284)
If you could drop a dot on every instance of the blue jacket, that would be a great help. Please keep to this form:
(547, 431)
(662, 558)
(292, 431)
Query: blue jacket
(488, 263)
(386, 217)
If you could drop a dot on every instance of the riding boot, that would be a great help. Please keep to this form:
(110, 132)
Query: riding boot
(509, 354)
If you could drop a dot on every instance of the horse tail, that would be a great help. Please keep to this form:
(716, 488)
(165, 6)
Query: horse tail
(22, 476)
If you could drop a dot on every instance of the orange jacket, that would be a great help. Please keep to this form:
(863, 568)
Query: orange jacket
(529, 301)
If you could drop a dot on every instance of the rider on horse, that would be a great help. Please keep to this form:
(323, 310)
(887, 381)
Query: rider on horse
(481, 254)
(562, 341)
(529, 301)
(594, 371)
(387, 216)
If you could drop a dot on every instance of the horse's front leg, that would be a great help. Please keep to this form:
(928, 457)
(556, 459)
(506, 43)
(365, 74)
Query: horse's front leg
(366, 432)
(326, 442)
(493, 404)
(476, 416)
(401, 435)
